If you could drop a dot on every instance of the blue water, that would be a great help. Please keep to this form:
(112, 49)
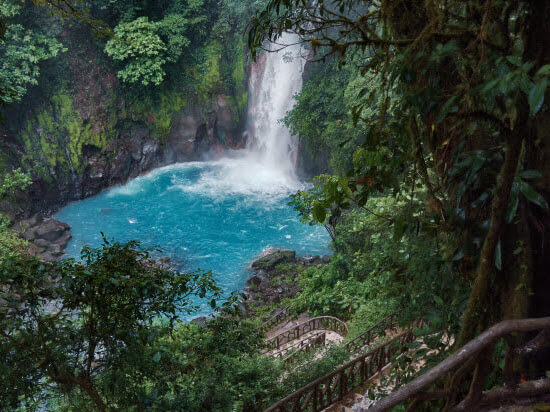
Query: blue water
(204, 215)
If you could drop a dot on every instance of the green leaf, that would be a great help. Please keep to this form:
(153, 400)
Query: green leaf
(399, 229)
(498, 256)
(156, 357)
(543, 71)
(531, 174)
(514, 60)
(533, 196)
(513, 203)
(319, 212)
(536, 96)
(447, 108)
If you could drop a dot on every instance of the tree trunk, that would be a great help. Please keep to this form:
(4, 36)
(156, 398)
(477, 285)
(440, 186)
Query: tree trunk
(477, 317)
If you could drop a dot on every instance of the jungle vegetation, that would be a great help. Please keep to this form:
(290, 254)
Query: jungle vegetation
(449, 119)
(432, 121)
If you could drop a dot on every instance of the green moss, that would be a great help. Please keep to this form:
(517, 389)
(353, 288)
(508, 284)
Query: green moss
(238, 105)
(157, 111)
(55, 137)
(170, 103)
(238, 73)
(211, 78)
(239, 94)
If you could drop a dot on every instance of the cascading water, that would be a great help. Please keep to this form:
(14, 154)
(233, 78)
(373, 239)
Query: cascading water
(274, 81)
(216, 215)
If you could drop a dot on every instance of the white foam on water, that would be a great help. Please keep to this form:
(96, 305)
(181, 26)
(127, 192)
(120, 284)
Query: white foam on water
(243, 175)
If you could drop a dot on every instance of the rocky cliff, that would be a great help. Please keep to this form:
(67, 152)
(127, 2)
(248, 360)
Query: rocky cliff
(87, 131)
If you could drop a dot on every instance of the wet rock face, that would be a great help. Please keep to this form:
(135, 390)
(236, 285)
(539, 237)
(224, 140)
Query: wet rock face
(135, 150)
(48, 237)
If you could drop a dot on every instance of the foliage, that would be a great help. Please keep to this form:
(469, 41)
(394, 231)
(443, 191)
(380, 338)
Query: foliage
(381, 266)
(12, 182)
(138, 44)
(322, 116)
(452, 97)
(215, 367)
(221, 368)
(145, 47)
(89, 326)
(21, 51)
(313, 367)
(11, 244)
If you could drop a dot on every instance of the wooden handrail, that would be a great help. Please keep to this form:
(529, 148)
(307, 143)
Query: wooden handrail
(368, 336)
(333, 387)
(462, 355)
(318, 323)
(297, 344)
(277, 319)
(307, 345)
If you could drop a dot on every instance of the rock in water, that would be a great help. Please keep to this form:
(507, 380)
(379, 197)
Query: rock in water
(272, 258)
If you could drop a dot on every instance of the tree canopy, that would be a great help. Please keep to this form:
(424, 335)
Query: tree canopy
(21, 51)
(459, 104)
(92, 326)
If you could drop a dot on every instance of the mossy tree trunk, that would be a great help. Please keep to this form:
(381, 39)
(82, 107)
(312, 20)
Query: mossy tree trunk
(520, 288)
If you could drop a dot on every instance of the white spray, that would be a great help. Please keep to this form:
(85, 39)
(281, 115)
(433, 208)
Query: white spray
(274, 81)
(266, 168)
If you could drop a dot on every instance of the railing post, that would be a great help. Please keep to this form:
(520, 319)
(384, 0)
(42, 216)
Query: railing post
(341, 392)
(315, 401)
(297, 407)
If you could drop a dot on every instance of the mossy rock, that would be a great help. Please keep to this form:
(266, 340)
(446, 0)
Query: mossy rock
(274, 258)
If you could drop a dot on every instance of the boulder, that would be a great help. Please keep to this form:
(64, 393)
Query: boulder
(201, 321)
(311, 260)
(26, 227)
(51, 230)
(42, 243)
(48, 237)
(270, 283)
(273, 258)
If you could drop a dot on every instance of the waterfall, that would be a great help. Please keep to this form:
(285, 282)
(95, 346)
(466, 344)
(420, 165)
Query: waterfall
(266, 169)
(274, 80)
